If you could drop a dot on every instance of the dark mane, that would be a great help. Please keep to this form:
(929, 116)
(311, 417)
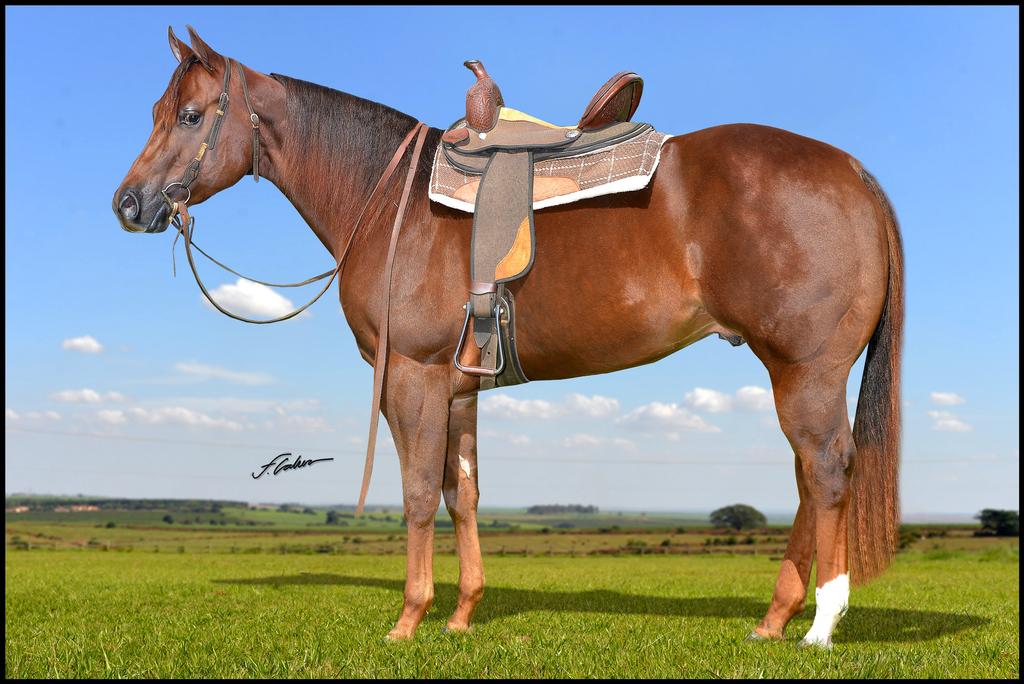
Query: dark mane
(336, 126)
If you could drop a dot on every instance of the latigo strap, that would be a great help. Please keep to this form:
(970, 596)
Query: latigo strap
(380, 359)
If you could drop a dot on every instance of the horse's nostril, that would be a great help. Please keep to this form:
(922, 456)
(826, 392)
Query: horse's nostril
(129, 206)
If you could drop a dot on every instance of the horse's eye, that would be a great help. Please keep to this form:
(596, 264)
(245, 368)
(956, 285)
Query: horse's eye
(190, 118)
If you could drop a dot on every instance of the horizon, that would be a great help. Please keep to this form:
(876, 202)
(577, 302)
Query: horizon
(916, 517)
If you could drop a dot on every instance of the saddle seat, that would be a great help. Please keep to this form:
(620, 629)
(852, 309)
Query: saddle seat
(489, 124)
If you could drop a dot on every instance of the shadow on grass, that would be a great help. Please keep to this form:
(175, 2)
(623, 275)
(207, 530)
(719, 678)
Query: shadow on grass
(862, 624)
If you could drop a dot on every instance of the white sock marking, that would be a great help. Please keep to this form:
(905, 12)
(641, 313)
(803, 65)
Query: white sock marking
(832, 599)
(465, 466)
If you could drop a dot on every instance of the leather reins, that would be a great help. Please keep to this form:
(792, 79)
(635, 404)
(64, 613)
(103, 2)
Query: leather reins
(185, 225)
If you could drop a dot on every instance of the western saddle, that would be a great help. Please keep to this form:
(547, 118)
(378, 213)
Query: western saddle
(614, 102)
(501, 145)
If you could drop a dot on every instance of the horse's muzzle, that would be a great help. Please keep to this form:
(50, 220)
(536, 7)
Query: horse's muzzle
(129, 207)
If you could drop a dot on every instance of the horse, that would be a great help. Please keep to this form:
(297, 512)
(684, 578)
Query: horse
(751, 232)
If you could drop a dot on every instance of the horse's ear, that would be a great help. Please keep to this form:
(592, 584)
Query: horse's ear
(179, 49)
(206, 54)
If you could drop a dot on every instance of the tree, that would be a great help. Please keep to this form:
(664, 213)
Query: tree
(168, 519)
(332, 517)
(738, 517)
(999, 522)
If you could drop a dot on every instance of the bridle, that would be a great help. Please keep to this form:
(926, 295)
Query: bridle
(185, 224)
(193, 168)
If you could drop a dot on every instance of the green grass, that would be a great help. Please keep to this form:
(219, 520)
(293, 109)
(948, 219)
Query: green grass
(936, 613)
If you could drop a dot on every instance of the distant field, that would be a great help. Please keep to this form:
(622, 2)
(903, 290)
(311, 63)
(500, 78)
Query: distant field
(387, 520)
(936, 613)
(242, 531)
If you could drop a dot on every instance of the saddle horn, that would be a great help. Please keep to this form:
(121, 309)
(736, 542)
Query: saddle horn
(483, 99)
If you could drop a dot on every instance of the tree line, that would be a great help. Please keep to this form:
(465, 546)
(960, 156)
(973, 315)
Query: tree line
(558, 509)
(45, 503)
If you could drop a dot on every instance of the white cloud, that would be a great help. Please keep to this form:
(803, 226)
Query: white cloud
(515, 439)
(505, 406)
(85, 344)
(39, 415)
(86, 396)
(946, 421)
(755, 398)
(581, 439)
(947, 398)
(653, 416)
(181, 416)
(708, 400)
(252, 299)
(595, 406)
(12, 415)
(204, 371)
(748, 398)
(659, 416)
(306, 424)
(112, 416)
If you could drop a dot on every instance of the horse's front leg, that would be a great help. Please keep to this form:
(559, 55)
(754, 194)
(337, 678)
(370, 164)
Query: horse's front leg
(416, 406)
(461, 495)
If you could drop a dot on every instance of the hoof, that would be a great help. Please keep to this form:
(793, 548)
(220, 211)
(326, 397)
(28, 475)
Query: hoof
(455, 629)
(757, 636)
(398, 635)
(815, 644)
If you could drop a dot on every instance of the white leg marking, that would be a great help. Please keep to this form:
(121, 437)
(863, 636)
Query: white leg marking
(832, 598)
(465, 466)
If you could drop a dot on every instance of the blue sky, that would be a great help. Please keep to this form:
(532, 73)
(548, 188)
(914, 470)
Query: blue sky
(188, 403)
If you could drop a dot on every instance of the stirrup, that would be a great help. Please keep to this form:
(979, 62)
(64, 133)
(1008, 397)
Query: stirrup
(479, 370)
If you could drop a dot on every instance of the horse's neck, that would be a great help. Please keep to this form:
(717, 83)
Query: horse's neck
(327, 167)
(329, 179)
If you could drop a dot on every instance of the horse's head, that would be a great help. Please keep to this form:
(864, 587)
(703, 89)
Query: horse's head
(183, 119)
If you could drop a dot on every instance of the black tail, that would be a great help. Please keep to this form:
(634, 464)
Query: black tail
(875, 506)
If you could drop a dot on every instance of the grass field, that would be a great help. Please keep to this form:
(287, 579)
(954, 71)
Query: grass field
(943, 610)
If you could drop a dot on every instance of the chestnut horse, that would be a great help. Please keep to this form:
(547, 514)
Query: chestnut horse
(748, 231)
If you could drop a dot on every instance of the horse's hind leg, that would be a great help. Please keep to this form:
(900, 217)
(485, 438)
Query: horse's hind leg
(416, 405)
(795, 573)
(461, 495)
(811, 402)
